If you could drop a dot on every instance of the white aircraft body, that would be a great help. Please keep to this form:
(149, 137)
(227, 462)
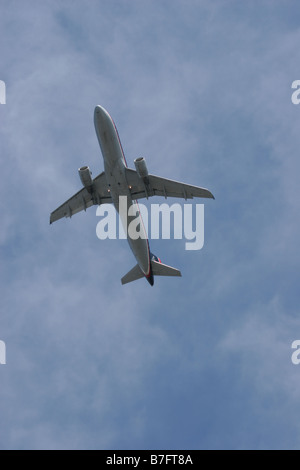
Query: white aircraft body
(119, 180)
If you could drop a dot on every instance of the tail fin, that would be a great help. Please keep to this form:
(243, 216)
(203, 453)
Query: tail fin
(159, 269)
(134, 274)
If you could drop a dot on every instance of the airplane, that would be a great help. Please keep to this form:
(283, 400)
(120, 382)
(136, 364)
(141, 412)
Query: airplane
(119, 180)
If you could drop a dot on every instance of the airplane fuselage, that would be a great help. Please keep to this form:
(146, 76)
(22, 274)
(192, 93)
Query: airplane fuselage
(115, 171)
(123, 186)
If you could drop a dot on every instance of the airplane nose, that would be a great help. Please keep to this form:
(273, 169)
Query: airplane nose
(101, 116)
(102, 121)
(98, 110)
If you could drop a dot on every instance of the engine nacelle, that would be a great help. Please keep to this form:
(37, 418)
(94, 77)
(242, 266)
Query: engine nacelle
(141, 167)
(85, 176)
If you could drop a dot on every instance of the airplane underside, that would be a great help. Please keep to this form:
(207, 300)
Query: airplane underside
(119, 180)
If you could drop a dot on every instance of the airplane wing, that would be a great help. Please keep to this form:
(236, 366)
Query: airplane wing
(84, 199)
(157, 186)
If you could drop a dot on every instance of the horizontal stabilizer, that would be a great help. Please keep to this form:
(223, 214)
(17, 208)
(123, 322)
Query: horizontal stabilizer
(159, 269)
(134, 274)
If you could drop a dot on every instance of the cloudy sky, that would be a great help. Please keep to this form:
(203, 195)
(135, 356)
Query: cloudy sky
(201, 89)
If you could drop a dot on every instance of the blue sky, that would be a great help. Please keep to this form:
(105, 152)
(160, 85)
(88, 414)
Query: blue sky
(202, 90)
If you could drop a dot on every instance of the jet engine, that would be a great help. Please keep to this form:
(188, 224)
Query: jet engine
(85, 176)
(141, 167)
